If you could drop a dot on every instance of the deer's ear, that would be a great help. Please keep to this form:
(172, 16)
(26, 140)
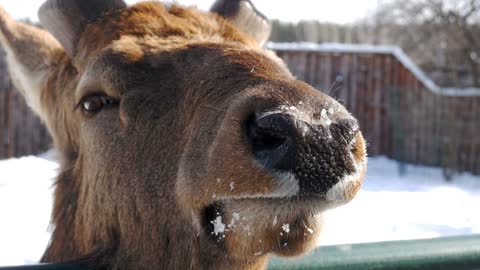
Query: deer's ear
(30, 54)
(67, 19)
(244, 15)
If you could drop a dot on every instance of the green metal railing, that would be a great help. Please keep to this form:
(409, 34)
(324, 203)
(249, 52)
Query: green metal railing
(452, 253)
(455, 253)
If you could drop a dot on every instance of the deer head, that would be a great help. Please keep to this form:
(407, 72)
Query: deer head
(184, 143)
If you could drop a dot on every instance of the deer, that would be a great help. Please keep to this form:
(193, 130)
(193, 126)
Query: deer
(184, 142)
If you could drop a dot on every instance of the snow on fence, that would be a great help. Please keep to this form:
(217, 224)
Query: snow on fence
(21, 132)
(403, 114)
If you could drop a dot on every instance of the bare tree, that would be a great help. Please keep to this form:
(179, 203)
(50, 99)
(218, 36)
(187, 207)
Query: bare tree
(442, 35)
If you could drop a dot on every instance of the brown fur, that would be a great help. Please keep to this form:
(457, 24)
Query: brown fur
(136, 180)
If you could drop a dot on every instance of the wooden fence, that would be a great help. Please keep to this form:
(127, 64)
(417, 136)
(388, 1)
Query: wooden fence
(402, 113)
(21, 132)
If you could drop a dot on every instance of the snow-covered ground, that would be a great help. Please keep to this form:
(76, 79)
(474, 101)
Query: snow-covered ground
(25, 207)
(389, 207)
(419, 204)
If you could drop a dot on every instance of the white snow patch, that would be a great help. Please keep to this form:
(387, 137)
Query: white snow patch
(235, 218)
(232, 186)
(218, 226)
(309, 230)
(300, 115)
(324, 118)
(26, 199)
(275, 221)
(286, 228)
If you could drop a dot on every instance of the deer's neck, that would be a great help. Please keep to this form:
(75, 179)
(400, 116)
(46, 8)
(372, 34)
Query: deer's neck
(131, 232)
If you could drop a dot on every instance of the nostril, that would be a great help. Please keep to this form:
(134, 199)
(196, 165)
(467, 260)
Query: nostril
(350, 124)
(263, 140)
(348, 129)
(265, 134)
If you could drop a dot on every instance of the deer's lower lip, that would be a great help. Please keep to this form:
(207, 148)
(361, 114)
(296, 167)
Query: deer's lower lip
(216, 218)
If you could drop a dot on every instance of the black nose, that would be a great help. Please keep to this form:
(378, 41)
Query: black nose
(317, 153)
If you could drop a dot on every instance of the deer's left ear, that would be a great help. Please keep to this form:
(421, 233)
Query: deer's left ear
(30, 55)
(244, 15)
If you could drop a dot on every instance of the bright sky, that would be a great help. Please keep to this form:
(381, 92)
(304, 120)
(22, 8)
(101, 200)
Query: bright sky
(339, 11)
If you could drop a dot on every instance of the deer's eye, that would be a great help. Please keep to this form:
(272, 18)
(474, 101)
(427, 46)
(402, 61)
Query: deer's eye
(93, 104)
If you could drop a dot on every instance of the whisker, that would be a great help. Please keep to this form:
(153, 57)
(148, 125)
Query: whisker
(331, 86)
(337, 90)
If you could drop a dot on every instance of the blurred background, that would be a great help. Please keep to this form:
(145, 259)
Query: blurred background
(409, 70)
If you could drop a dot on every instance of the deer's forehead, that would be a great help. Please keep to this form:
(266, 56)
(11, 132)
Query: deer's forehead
(133, 49)
(137, 60)
(154, 21)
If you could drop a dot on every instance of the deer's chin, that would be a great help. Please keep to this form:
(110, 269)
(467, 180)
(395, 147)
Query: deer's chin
(286, 222)
(257, 227)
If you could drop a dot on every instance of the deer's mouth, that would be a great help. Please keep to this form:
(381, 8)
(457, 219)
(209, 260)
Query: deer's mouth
(255, 227)
(289, 198)
(286, 222)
